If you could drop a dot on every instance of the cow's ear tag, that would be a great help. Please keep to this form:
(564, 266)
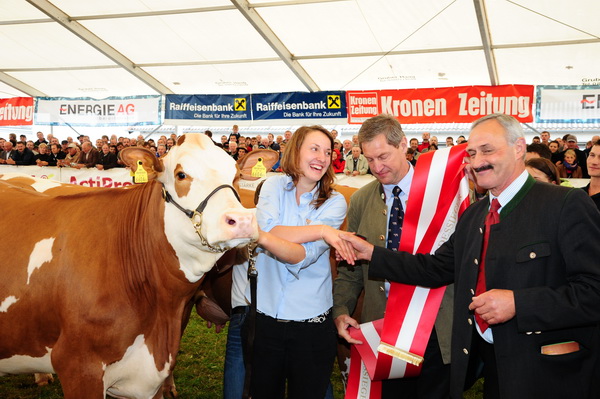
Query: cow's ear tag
(259, 170)
(140, 176)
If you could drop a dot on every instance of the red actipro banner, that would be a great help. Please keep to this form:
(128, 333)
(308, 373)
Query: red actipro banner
(16, 111)
(442, 105)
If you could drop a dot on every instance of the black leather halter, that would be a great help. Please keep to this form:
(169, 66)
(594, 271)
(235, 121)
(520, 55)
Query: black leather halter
(196, 215)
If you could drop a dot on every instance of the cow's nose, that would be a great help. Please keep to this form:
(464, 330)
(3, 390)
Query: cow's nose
(240, 224)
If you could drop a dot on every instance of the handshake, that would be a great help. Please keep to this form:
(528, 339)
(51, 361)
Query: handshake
(351, 247)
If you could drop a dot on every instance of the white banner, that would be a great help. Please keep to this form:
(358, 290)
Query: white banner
(92, 177)
(557, 104)
(111, 111)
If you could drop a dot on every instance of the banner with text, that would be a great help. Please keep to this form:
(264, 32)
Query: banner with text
(16, 111)
(111, 111)
(555, 104)
(92, 177)
(297, 105)
(442, 105)
(234, 107)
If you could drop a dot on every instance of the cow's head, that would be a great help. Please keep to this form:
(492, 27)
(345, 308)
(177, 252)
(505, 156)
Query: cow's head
(202, 211)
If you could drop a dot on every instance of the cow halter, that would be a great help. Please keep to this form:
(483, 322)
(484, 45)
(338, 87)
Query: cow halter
(196, 215)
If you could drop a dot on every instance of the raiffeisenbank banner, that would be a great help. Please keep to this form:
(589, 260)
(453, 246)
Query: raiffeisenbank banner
(111, 111)
(556, 104)
(318, 106)
(16, 111)
(218, 107)
(442, 105)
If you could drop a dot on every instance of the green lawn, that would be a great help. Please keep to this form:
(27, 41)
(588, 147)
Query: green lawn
(198, 374)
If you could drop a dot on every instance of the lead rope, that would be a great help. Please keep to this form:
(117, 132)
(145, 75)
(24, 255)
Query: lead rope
(250, 323)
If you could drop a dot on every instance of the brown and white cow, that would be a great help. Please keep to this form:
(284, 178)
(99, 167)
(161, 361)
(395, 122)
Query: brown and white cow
(94, 280)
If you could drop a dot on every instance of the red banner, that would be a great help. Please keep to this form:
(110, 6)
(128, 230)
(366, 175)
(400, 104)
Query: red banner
(16, 111)
(442, 105)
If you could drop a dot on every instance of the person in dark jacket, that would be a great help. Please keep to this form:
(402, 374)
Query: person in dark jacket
(107, 159)
(56, 154)
(23, 155)
(43, 156)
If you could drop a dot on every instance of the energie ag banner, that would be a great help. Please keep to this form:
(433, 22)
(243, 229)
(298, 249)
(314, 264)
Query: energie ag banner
(556, 104)
(111, 111)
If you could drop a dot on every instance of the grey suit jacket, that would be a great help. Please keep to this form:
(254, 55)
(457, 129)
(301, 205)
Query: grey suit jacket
(367, 216)
(546, 249)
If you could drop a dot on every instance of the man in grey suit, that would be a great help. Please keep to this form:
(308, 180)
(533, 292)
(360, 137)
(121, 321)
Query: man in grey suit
(525, 304)
(384, 145)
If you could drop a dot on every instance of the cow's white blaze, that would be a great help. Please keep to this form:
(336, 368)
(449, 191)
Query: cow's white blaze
(212, 168)
(5, 304)
(21, 364)
(135, 375)
(42, 253)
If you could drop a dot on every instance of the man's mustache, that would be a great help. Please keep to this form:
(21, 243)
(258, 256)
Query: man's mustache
(482, 168)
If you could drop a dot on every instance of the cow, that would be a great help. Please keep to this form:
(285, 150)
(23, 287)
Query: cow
(96, 279)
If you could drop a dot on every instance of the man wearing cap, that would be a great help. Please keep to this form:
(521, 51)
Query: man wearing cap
(571, 144)
(71, 157)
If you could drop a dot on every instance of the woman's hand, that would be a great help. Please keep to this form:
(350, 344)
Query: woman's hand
(342, 247)
(361, 248)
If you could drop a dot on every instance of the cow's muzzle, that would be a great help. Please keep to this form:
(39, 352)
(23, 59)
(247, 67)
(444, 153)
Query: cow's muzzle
(196, 215)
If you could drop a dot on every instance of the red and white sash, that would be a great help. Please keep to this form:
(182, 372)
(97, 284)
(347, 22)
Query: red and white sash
(439, 193)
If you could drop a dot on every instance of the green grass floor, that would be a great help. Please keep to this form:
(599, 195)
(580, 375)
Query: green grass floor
(198, 375)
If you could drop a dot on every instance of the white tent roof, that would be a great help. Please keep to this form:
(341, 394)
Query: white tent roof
(91, 48)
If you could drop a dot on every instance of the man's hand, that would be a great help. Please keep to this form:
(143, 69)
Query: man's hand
(332, 237)
(494, 306)
(362, 248)
(342, 323)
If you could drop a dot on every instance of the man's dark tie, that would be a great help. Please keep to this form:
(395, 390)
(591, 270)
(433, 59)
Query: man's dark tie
(491, 218)
(396, 218)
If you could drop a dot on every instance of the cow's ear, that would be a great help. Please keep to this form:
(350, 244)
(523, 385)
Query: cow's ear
(151, 164)
(268, 157)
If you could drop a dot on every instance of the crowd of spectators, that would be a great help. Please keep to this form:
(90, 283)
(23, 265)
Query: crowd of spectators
(563, 152)
(76, 153)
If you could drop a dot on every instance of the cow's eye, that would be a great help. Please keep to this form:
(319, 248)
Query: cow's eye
(181, 175)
